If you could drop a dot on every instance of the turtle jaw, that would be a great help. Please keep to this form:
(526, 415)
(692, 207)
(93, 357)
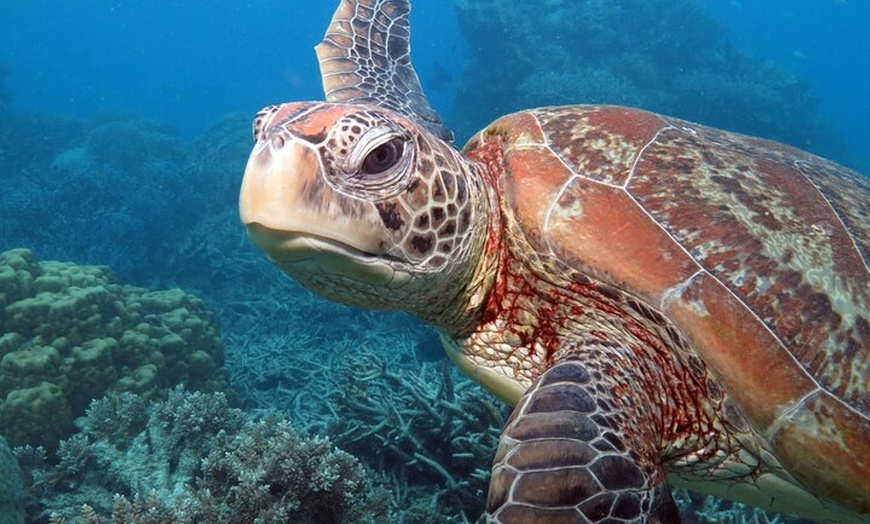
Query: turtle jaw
(304, 225)
(308, 257)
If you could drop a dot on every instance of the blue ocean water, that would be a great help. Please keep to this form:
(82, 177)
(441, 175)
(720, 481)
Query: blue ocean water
(124, 128)
(185, 63)
(821, 41)
(182, 63)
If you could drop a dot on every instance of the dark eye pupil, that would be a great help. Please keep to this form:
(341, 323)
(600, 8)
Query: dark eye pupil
(383, 157)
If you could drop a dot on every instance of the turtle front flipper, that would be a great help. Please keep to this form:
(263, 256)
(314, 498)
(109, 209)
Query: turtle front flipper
(365, 58)
(563, 458)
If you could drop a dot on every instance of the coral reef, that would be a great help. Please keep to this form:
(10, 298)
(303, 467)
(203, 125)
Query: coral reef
(120, 190)
(192, 458)
(136, 147)
(696, 508)
(72, 334)
(662, 55)
(378, 385)
(11, 488)
(99, 190)
(429, 428)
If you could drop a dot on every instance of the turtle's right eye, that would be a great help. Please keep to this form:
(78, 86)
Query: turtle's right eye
(376, 162)
(383, 157)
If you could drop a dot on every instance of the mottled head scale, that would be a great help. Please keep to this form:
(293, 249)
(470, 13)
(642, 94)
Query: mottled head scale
(365, 191)
(658, 299)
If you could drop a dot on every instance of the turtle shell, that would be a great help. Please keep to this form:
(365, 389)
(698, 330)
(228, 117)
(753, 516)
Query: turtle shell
(756, 251)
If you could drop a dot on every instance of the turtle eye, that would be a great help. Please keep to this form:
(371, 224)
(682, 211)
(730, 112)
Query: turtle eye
(383, 157)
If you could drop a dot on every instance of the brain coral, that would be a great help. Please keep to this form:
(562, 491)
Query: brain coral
(70, 333)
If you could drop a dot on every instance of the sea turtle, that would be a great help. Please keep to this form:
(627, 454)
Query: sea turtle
(661, 301)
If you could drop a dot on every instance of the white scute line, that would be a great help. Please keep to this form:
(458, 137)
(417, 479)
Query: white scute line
(797, 165)
(642, 150)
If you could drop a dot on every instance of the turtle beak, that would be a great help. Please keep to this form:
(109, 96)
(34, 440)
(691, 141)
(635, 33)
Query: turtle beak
(302, 223)
(274, 183)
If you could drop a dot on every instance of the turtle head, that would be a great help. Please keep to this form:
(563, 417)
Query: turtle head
(361, 198)
(364, 206)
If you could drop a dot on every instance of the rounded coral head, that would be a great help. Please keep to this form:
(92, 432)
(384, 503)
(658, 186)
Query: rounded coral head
(360, 204)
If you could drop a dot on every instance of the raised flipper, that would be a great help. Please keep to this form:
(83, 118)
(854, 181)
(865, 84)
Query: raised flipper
(365, 58)
(563, 459)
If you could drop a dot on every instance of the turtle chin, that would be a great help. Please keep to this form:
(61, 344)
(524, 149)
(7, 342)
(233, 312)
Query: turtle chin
(318, 262)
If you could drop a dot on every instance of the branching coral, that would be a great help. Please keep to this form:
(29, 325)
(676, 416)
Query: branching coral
(71, 334)
(268, 471)
(426, 428)
(707, 509)
(422, 425)
(195, 459)
(423, 422)
(128, 446)
(11, 490)
(379, 386)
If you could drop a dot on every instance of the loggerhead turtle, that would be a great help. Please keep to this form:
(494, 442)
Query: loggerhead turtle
(661, 301)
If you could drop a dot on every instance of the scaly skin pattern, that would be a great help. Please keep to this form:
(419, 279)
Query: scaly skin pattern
(412, 236)
(629, 357)
(661, 301)
(564, 458)
(694, 272)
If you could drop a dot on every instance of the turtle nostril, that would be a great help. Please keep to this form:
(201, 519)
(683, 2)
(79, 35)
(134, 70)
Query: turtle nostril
(277, 142)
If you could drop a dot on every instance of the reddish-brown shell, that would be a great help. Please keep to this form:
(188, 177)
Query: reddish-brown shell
(757, 251)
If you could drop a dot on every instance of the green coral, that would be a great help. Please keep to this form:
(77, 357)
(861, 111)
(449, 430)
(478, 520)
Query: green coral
(70, 334)
(40, 413)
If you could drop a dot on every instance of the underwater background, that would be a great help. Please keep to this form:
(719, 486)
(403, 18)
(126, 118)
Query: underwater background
(164, 371)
